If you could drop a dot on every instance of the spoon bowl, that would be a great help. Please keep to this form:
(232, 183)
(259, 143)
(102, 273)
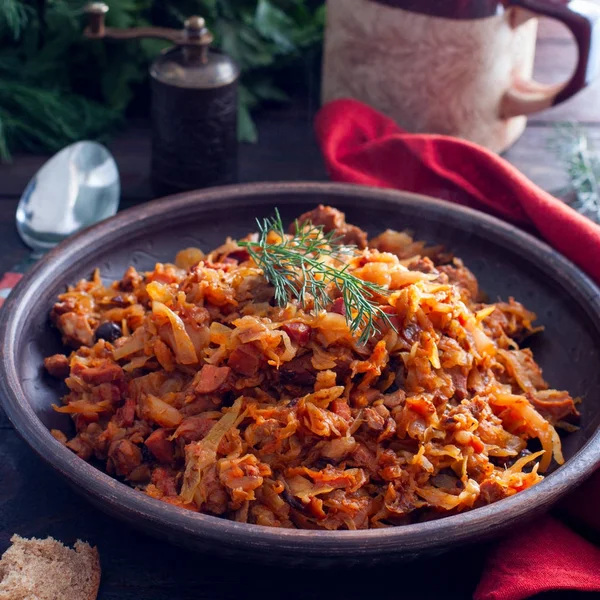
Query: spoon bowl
(76, 188)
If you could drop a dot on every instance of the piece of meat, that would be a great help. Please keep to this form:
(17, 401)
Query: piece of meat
(491, 491)
(459, 275)
(262, 433)
(107, 392)
(161, 447)
(335, 450)
(338, 307)
(57, 366)
(360, 398)
(69, 304)
(299, 333)
(245, 360)
(138, 432)
(341, 408)
(83, 420)
(326, 216)
(195, 406)
(553, 405)
(354, 236)
(123, 457)
(195, 314)
(103, 371)
(423, 264)
(390, 320)
(125, 415)
(165, 481)
(193, 429)
(512, 319)
(374, 421)
(211, 379)
(82, 448)
(447, 481)
(214, 492)
(254, 288)
(130, 280)
(75, 329)
(332, 219)
(343, 362)
(394, 399)
(59, 436)
(363, 457)
(240, 255)
(298, 371)
(140, 475)
(389, 429)
(459, 380)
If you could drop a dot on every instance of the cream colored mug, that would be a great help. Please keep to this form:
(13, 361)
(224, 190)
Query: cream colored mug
(456, 67)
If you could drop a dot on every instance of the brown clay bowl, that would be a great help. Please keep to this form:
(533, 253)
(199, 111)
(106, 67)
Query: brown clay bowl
(506, 261)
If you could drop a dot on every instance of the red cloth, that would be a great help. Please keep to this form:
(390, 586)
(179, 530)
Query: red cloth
(543, 557)
(362, 146)
(7, 282)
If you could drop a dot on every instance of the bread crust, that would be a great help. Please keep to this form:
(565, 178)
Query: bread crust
(46, 569)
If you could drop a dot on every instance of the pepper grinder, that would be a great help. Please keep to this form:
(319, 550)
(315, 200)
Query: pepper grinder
(194, 104)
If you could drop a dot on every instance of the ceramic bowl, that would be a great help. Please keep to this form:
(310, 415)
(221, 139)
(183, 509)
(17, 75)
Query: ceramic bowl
(506, 261)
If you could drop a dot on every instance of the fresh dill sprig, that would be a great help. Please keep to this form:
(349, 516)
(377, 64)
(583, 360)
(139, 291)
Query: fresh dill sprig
(298, 267)
(582, 162)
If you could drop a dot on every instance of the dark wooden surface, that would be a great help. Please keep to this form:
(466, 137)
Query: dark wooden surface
(35, 502)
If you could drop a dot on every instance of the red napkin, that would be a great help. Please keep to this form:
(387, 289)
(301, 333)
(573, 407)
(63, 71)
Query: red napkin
(7, 282)
(362, 146)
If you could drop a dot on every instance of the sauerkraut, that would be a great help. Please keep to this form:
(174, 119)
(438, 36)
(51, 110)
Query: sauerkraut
(191, 385)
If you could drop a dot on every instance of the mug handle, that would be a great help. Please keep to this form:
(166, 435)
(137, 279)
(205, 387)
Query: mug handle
(583, 19)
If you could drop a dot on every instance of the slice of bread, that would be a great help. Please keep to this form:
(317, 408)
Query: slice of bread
(47, 570)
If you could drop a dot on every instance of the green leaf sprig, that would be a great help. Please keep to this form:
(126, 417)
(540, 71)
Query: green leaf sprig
(575, 148)
(56, 87)
(298, 267)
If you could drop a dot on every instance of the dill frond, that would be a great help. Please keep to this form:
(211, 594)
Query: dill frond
(309, 265)
(582, 163)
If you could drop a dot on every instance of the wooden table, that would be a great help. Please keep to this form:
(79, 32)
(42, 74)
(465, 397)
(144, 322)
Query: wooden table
(35, 502)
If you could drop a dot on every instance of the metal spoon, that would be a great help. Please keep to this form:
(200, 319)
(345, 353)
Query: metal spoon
(76, 188)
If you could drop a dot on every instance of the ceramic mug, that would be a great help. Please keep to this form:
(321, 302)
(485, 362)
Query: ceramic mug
(456, 67)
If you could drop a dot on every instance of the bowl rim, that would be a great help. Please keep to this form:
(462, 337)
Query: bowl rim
(118, 497)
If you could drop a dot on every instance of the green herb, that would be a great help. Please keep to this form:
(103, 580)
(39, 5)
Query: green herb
(56, 87)
(297, 266)
(582, 162)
